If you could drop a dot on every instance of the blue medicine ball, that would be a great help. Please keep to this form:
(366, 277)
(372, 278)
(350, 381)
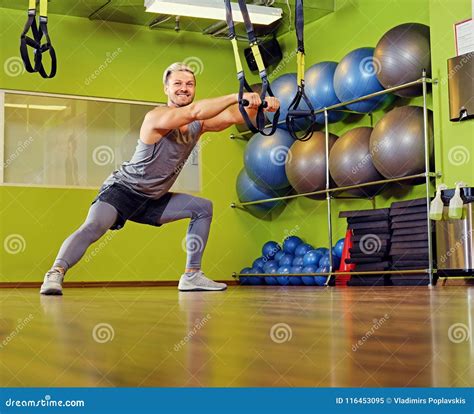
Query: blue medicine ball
(270, 248)
(309, 280)
(255, 280)
(356, 76)
(319, 81)
(296, 280)
(265, 159)
(259, 263)
(312, 258)
(339, 247)
(286, 260)
(302, 249)
(298, 261)
(268, 266)
(283, 280)
(244, 280)
(279, 255)
(291, 243)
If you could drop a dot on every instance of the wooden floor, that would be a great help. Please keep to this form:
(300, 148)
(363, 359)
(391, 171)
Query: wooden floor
(246, 336)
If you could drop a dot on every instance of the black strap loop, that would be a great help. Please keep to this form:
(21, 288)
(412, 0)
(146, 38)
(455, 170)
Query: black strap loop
(38, 32)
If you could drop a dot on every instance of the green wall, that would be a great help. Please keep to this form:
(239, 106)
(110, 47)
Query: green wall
(44, 217)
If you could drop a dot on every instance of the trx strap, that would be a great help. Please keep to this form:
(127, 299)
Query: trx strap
(294, 112)
(243, 84)
(266, 89)
(38, 31)
(260, 118)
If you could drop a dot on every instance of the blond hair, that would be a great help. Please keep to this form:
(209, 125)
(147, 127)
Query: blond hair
(176, 67)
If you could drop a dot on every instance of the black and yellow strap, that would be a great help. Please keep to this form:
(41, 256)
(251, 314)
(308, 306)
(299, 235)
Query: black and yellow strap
(294, 112)
(38, 31)
(243, 84)
(266, 89)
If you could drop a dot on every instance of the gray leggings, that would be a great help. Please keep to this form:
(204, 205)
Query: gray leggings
(102, 216)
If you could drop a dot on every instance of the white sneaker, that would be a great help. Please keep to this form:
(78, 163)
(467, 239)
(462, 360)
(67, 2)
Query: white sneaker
(198, 282)
(53, 283)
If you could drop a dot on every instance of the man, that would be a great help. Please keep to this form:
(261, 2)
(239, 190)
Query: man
(139, 190)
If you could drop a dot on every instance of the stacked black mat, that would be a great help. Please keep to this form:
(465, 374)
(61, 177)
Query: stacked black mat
(409, 241)
(370, 244)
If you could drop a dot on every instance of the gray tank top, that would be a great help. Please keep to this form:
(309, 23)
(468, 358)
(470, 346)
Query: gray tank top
(154, 168)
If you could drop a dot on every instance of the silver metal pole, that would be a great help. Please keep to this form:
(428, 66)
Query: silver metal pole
(427, 178)
(328, 194)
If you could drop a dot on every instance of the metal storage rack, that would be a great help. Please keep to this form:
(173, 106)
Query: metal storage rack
(427, 175)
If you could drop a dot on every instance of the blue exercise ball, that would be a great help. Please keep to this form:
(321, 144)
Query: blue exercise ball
(312, 258)
(286, 260)
(270, 248)
(319, 81)
(302, 249)
(285, 88)
(265, 159)
(247, 190)
(308, 280)
(271, 269)
(339, 247)
(356, 76)
(291, 243)
(298, 261)
(279, 255)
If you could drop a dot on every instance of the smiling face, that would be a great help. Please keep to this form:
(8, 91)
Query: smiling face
(180, 88)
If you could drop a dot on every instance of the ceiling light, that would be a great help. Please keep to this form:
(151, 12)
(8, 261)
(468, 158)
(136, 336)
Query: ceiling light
(212, 9)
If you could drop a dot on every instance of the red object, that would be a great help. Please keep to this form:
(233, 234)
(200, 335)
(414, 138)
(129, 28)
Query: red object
(341, 280)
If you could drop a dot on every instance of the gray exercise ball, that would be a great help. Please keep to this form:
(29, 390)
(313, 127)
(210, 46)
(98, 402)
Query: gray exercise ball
(401, 54)
(306, 164)
(350, 162)
(397, 142)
